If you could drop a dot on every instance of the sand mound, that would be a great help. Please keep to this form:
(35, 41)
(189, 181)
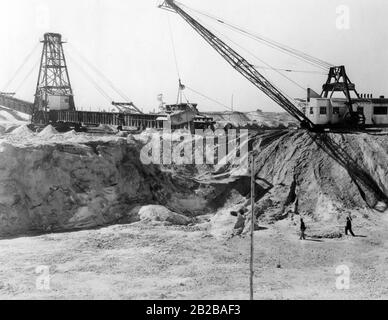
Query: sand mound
(223, 223)
(10, 115)
(271, 119)
(162, 214)
(252, 119)
(322, 175)
(22, 131)
(48, 132)
(66, 185)
(70, 134)
(11, 119)
(107, 128)
(236, 117)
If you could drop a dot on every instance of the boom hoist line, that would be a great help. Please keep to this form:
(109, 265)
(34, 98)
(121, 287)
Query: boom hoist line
(239, 63)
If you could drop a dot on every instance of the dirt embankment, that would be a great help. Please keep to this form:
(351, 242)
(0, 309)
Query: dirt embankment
(53, 182)
(255, 119)
(323, 175)
(58, 182)
(59, 186)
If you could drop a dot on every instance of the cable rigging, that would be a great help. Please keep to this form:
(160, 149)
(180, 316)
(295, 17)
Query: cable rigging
(274, 44)
(317, 62)
(24, 62)
(34, 67)
(99, 73)
(91, 80)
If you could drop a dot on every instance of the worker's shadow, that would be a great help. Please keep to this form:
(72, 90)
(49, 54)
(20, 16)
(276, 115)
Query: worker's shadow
(313, 240)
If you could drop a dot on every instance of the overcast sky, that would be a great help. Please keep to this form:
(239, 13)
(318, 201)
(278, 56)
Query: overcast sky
(129, 42)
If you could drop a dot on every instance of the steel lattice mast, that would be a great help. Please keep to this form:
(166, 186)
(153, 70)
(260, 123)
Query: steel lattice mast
(53, 89)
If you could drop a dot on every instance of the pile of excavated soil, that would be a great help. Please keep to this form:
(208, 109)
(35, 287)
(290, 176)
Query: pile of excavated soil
(48, 132)
(78, 181)
(159, 213)
(21, 131)
(60, 184)
(271, 119)
(70, 134)
(237, 119)
(254, 119)
(322, 176)
(10, 119)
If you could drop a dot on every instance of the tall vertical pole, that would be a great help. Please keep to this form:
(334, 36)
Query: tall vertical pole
(47, 63)
(252, 221)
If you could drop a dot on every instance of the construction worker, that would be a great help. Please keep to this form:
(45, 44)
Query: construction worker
(302, 230)
(348, 227)
(240, 223)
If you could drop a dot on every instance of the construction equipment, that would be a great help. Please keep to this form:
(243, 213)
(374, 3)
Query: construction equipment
(338, 81)
(53, 89)
(54, 102)
(239, 63)
(354, 111)
(319, 112)
(126, 107)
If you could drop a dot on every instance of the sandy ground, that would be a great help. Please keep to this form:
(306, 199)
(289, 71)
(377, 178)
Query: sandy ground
(153, 261)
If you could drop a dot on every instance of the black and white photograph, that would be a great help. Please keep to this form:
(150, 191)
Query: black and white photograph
(207, 151)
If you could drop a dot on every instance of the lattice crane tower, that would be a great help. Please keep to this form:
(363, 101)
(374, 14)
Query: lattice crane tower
(53, 89)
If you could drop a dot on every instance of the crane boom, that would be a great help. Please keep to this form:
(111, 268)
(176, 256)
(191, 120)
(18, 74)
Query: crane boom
(126, 107)
(241, 65)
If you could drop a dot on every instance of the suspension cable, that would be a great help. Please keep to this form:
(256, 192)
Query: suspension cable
(98, 72)
(262, 61)
(28, 75)
(173, 46)
(290, 70)
(276, 45)
(298, 54)
(268, 66)
(178, 72)
(90, 78)
(208, 98)
(252, 54)
(21, 67)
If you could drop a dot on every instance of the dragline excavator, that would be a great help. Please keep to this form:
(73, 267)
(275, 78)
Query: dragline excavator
(241, 65)
(250, 72)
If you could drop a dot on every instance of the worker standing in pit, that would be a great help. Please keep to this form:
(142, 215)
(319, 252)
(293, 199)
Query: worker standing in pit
(302, 230)
(240, 223)
(348, 227)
